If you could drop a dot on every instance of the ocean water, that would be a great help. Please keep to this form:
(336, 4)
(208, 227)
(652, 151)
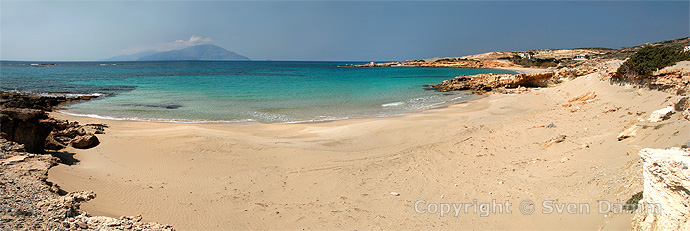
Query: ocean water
(236, 91)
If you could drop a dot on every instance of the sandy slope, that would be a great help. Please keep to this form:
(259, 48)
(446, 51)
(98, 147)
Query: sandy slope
(340, 175)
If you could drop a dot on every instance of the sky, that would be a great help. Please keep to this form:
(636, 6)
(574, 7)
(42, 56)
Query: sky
(330, 30)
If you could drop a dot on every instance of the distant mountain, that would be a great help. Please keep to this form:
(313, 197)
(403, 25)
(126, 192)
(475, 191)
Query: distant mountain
(198, 52)
(132, 57)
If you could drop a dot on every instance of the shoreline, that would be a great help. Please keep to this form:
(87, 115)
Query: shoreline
(517, 70)
(338, 174)
(249, 121)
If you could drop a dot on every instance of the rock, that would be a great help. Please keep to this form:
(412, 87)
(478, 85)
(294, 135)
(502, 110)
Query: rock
(72, 132)
(487, 82)
(586, 145)
(10, 146)
(552, 141)
(21, 100)
(584, 97)
(85, 141)
(13, 159)
(627, 133)
(661, 114)
(82, 225)
(666, 187)
(683, 106)
(564, 159)
(52, 143)
(26, 126)
(395, 194)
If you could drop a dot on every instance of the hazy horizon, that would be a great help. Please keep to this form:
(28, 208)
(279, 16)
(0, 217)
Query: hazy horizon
(329, 31)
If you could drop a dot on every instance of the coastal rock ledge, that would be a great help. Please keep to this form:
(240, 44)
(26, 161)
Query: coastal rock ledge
(666, 186)
(488, 82)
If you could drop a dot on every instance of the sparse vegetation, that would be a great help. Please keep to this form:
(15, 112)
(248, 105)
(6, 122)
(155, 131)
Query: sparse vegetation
(533, 62)
(454, 60)
(632, 203)
(649, 59)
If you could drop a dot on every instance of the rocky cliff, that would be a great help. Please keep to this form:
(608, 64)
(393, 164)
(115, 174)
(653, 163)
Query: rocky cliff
(666, 186)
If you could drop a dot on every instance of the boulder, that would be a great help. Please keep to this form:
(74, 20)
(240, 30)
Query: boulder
(85, 141)
(54, 144)
(666, 201)
(661, 114)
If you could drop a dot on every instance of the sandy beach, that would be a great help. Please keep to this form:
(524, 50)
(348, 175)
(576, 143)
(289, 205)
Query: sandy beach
(370, 173)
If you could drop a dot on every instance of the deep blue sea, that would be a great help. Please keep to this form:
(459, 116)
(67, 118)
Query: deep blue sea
(236, 91)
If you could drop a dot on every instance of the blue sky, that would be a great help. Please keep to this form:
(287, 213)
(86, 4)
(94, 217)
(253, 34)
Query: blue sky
(330, 30)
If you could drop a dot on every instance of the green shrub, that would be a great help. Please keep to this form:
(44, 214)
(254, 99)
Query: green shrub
(649, 59)
(632, 203)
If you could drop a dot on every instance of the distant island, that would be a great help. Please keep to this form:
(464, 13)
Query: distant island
(198, 52)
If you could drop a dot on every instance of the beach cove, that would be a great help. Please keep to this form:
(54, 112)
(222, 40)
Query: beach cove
(371, 173)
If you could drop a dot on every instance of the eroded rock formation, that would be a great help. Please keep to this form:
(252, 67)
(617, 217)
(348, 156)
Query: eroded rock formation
(666, 186)
(23, 119)
(487, 82)
(29, 202)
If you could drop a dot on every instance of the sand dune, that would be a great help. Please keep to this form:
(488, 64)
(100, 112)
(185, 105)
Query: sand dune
(340, 175)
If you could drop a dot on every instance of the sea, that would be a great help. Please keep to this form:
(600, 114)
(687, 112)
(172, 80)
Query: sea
(235, 91)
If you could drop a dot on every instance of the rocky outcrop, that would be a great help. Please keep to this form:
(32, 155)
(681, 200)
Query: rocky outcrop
(29, 202)
(674, 79)
(451, 63)
(32, 101)
(23, 119)
(20, 100)
(487, 82)
(29, 127)
(661, 114)
(666, 201)
(37, 132)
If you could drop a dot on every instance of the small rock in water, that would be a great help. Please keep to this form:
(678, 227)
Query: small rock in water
(395, 194)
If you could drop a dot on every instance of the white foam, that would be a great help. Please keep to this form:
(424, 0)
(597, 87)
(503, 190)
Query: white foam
(158, 120)
(71, 95)
(392, 104)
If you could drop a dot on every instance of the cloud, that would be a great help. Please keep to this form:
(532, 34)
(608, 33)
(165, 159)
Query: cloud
(176, 45)
(193, 41)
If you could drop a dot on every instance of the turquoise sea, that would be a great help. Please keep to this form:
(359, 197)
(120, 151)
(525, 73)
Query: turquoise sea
(236, 91)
